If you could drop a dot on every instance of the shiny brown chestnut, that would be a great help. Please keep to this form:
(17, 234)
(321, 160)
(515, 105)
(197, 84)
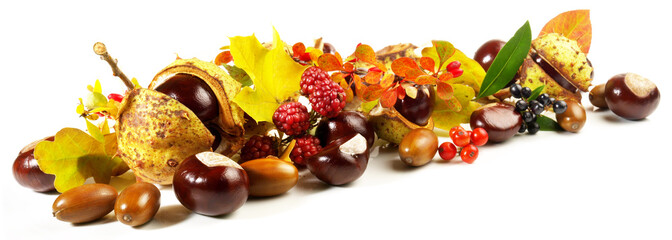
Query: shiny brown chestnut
(341, 162)
(28, 173)
(417, 110)
(346, 123)
(596, 96)
(487, 52)
(137, 204)
(211, 184)
(573, 119)
(501, 121)
(194, 93)
(631, 96)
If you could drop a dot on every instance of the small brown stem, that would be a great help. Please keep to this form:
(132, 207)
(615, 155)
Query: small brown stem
(100, 49)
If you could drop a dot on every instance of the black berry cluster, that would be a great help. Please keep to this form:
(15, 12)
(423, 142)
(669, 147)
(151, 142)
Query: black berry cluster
(529, 110)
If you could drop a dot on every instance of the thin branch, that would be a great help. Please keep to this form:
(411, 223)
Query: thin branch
(100, 49)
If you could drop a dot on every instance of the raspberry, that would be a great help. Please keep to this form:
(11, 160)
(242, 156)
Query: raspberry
(306, 146)
(292, 118)
(258, 147)
(327, 99)
(311, 77)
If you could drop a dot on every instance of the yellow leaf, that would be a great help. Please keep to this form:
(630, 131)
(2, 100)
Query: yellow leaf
(94, 131)
(97, 88)
(274, 73)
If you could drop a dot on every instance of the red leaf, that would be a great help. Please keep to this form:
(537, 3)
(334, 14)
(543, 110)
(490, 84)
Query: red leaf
(373, 77)
(427, 63)
(573, 25)
(298, 49)
(401, 91)
(401, 65)
(223, 58)
(389, 98)
(329, 62)
(365, 53)
(425, 79)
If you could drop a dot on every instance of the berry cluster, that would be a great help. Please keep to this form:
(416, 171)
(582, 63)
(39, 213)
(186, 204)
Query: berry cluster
(292, 118)
(306, 146)
(259, 147)
(530, 110)
(326, 97)
(467, 141)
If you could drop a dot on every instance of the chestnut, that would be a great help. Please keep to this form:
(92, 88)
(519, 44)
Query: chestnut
(341, 162)
(211, 184)
(418, 147)
(346, 123)
(501, 121)
(417, 110)
(573, 118)
(28, 173)
(631, 96)
(487, 52)
(596, 96)
(194, 93)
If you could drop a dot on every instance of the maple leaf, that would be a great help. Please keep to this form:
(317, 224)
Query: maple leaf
(74, 156)
(274, 74)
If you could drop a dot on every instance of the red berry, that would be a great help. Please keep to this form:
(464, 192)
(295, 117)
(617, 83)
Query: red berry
(461, 138)
(327, 99)
(453, 65)
(292, 118)
(258, 147)
(469, 153)
(447, 151)
(312, 77)
(479, 137)
(457, 72)
(306, 146)
(454, 129)
(115, 97)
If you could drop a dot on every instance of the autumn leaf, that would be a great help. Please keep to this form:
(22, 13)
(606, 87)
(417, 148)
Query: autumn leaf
(365, 53)
(298, 49)
(428, 64)
(388, 98)
(275, 75)
(401, 65)
(444, 49)
(223, 58)
(445, 117)
(74, 156)
(329, 62)
(573, 25)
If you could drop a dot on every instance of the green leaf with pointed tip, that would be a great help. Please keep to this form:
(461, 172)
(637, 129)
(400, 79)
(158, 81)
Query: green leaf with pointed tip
(74, 156)
(548, 124)
(535, 93)
(239, 75)
(508, 60)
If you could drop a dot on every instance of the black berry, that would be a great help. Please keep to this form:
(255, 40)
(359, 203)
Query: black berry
(532, 127)
(526, 92)
(559, 107)
(515, 90)
(544, 99)
(521, 105)
(529, 116)
(536, 107)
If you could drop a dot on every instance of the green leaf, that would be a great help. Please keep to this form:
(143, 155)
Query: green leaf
(444, 50)
(95, 100)
(535, 93)
(548, 124)
(74, 156)
(239, 75)
(274, 74)
(507, 61)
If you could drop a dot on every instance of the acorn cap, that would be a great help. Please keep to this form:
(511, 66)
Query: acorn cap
(231, 116)
(155, 133)
(566, 57)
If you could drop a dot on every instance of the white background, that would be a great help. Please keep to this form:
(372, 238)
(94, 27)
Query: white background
(610, 181)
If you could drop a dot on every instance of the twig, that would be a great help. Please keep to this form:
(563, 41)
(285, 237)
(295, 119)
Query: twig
(100, 49)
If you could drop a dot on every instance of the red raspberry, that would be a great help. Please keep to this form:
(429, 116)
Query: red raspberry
(258, 147)
(311, 77)
(292, 118)
(306, 146)
(327, 99)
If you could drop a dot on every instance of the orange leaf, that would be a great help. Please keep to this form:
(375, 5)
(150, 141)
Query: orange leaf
(372, 92)
(401, 65)
(573, 25)
(389, 98)
(338, 77)
(349, 67)
(412, 74)
(329, 62)
(401, 91)
(453, 104)
(365, 53)
(223, 58)
(445, 77)
(427, 63)
(444, 90)
(359, 86)
(298, 49)
(425, 79)
(373, 77)
(388, 80)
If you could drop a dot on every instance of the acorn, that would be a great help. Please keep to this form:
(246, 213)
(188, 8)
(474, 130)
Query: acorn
(185, 110)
